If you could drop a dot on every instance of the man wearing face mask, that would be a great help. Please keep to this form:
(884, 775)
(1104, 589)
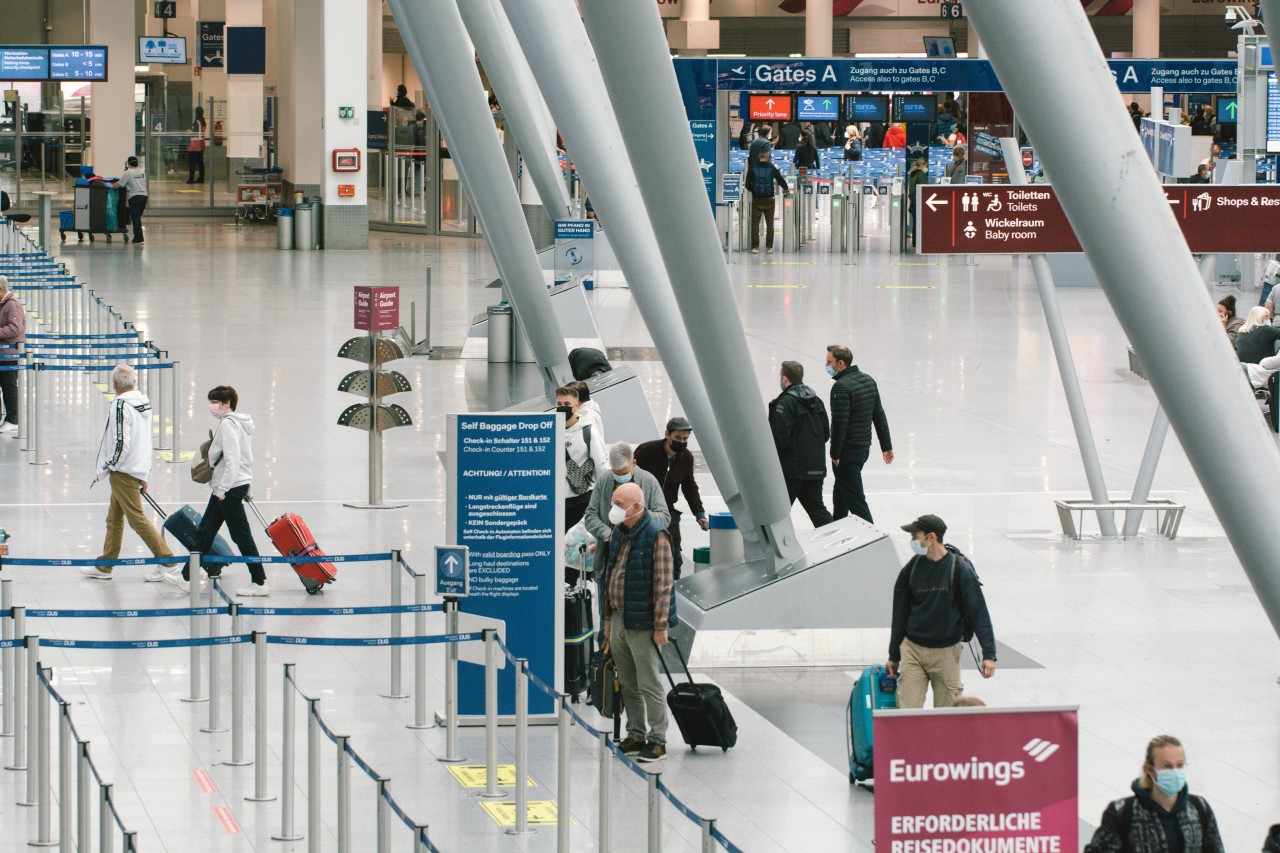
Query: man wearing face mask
(937, 600)
(622, 470)
(639, 608)
(800, 432)
(668, 459)
(584, 455)
(1162, 816)
(855, 408)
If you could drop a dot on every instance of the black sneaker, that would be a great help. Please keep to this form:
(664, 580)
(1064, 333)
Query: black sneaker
(631, 746)
(652, 752)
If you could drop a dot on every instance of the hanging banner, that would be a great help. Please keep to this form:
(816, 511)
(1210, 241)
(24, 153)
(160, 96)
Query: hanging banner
(976, 780)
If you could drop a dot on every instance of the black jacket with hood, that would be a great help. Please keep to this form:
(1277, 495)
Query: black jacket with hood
(800, 432)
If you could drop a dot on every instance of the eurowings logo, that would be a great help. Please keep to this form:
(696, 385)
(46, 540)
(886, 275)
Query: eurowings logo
(1039, 749)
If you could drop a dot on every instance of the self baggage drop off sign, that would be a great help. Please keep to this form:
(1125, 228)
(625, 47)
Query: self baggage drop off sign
(976, 780)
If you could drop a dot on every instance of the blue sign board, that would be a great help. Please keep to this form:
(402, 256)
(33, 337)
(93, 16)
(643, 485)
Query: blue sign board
(1273, 114)
(505, 504)
(212, 44)
(818, 107)
(1147, 132)
(731, 186)
(246, 49)
(78, 63)
(704, 143)
(376, 130)
(24, 63)
(1164, 149)
(453, 573)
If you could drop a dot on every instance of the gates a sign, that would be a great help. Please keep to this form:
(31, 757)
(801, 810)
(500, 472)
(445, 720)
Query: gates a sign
(976, 779)
(1003, 220)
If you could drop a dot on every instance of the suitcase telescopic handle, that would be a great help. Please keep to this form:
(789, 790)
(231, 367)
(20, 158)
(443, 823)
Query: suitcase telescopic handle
(662, 658)
(262, 519)
(155, 505)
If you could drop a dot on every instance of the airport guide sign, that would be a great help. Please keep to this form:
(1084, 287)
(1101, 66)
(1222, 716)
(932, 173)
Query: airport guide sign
(968, 219)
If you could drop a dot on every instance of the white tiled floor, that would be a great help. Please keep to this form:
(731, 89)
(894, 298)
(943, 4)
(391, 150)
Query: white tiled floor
(1146, 636)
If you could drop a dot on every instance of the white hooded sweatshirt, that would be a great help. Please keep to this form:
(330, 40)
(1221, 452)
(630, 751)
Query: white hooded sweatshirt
(231, 453)
(126, 439)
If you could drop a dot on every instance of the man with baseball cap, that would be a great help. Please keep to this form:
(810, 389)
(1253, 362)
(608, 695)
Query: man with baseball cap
(669, 460)
(937, 606)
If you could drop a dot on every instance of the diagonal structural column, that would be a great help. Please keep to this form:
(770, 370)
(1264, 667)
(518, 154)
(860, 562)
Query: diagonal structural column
(632, 51)
(1110, 195)
(521, 103)
(441, 51)
(560, 55)
(1066, 364)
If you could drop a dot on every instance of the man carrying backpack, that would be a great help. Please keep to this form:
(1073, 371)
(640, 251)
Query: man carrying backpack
(938, 606)
(800, 432)
(760, 179)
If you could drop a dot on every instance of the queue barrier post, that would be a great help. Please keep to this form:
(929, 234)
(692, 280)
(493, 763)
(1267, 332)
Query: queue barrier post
(215, 669)
(451, 684)
(66, 758)
(34, 429)
(175, 424)
(491, 714)
(32, 651)
(237, 694)
(655, 814)
(708, 835)
(606, 780)
(83, 838)
(23, 361)
(105, 840)
(6, 659)
(260, 709)
(44, 768)
(383, 817)
(563, 781)
(344, 794)
(131, 841)
(522, 749)
(420, 838)
(193, 654)
(287, 759)
(420, 717)
(313, 776)
(397, 688)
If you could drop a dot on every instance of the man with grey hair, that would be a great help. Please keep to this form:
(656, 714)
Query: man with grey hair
(13, 331)
(124, 459)
(622, 470)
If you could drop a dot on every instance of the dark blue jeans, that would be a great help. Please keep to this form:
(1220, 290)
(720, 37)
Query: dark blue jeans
(137, 204)
(849, 496)
(230, 510)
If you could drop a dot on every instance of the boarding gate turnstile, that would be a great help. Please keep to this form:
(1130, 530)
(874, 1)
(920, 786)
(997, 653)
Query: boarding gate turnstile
(846, 219)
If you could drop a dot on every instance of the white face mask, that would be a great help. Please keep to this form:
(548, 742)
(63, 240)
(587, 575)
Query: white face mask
(215, 409)
(617, 515)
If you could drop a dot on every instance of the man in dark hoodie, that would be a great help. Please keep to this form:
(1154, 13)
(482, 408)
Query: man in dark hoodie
(800, 432)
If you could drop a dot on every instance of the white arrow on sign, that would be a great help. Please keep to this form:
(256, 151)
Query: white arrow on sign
(769, 103)
(934, 202)
(451, 564)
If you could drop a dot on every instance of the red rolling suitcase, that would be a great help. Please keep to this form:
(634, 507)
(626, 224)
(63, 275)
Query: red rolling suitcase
(292, 538)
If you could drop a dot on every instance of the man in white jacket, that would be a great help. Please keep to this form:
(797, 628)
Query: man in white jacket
(124, 458)
(231, 455)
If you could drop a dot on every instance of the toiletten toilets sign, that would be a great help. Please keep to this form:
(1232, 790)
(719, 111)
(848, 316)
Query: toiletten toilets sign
(972, 780)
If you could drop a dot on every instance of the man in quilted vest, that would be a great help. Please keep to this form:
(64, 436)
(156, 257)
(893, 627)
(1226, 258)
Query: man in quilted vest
(639, 609)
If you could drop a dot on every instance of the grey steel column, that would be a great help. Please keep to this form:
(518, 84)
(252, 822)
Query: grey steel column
(437, 41)
(521, 103)
(1114, 202)
(1146, 471)
(1062, 352)
(564, 63)
(631, 48)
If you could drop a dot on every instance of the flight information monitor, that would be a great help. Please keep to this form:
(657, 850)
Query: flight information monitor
(24, 63)
(817, 107)
(82, 63)
(769, 108)
(915, 108)
(866, 108)
(162, 50)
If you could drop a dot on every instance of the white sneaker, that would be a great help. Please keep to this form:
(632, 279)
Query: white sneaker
(7, 427)
(755, 251)
(254, 590)
(175, 580)
(769, 250)
(154, 576)
(95, 573)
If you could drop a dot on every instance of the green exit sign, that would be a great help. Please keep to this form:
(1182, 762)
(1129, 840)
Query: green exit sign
(346, 112)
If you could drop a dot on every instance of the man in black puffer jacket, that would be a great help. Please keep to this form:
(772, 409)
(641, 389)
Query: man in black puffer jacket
(800, 432)
(855, 407)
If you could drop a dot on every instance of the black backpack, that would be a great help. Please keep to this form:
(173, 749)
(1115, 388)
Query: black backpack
(762, 179)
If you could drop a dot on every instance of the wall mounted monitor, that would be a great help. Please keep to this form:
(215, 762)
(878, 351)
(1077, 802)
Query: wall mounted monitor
(769, 107)
(866, 108)
(817, 107)
(915, 108)
(940, 47)
(162, 50)
(24, 63)
(1226, 108)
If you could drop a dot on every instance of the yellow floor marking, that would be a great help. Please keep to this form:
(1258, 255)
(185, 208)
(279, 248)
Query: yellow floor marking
(777, 286)
(905, 287)
(538, 813)
(183, 456)
(474, 775)
(789, 263)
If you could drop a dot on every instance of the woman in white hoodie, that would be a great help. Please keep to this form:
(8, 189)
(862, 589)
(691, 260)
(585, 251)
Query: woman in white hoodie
(231, 455)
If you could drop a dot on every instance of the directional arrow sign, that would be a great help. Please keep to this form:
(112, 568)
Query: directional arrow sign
(826, 103)
(769, 103)
(769, 108)
(453, 575)
(1231, 109)
(1002, 219)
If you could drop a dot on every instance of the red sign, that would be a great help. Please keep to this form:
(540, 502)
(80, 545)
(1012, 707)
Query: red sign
(977, 219)
(964, 779)
(769, 107)
(377, 308)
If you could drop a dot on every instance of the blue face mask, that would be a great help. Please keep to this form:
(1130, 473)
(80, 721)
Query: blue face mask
(831, 371)
(919, 548)
(622, 478)
(1171, 782)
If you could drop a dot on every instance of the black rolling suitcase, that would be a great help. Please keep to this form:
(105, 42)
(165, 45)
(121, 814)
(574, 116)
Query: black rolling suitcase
(184, 526)
(579, 629)
(699, 709)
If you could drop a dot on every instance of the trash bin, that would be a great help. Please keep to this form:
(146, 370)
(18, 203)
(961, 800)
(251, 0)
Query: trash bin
(317, 220)
(521, 351)
(303, 233)
(500, 326)
(701, 558)
(284, 228)
(726, 541)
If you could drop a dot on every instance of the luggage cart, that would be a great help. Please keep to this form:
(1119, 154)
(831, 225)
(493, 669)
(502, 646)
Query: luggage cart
(258, 193)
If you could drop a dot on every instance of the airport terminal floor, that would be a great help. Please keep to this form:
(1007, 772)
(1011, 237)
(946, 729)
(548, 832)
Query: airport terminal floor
(1147, 635)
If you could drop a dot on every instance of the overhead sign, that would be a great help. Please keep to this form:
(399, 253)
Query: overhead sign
(818, 107)
(505, 503)
(453, 572)
(78, 63)
(377, 309)
(1004, 219)
(769, 108)
(951, 11)
(165, 9)
(976, 779)
(212, 44)
(945, 75)
(24, 63)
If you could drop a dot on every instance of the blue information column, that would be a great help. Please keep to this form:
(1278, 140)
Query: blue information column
(505, 504)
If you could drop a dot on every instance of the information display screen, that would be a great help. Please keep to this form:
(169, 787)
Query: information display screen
(1273, 115)
(866, 108)
(24, 63)
(78, 63)
(769, 108)
(163, 50)
(915, 108)
(818, 107)
(940, 47)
